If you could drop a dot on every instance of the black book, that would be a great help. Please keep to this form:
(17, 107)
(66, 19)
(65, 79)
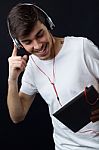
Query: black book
(76, 114)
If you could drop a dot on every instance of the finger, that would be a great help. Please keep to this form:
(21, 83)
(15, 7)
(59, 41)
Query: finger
(25, 57)
(14, 52)
(95, 112)
(19, 65)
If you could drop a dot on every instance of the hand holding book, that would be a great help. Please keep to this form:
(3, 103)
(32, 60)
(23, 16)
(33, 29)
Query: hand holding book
(95, 115)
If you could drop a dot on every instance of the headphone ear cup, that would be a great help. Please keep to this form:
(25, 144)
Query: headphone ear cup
(50, 22)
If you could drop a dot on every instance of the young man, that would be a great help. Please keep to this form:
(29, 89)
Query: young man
(58, 68)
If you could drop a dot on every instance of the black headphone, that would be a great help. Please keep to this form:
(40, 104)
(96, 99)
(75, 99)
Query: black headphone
(48, 19)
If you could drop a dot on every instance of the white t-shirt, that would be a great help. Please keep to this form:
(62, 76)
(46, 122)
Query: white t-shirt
(76, 66)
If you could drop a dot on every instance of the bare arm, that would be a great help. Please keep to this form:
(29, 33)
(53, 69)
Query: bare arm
(18, 103)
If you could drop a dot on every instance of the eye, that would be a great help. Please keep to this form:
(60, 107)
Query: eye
(27, 42)
(40, 34)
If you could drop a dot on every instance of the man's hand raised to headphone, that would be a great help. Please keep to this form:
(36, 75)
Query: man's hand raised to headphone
(17, 64)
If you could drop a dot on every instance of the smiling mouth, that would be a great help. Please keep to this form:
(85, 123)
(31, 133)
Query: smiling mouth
(43, 51)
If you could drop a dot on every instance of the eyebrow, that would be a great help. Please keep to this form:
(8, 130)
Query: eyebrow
(25, 40)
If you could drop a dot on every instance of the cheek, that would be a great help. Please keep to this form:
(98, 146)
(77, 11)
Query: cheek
(44, 39)
(28, 49)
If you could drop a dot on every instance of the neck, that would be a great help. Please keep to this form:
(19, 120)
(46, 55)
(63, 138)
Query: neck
(58, 45)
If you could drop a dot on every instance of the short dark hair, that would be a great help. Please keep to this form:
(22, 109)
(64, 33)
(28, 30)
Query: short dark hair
(22, 18)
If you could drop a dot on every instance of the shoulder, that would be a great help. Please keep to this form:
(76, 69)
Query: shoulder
(74, 44)
(90, 48)
(83, 42)
(74, 39)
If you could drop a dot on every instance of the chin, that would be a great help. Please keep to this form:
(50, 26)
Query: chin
(46, 57)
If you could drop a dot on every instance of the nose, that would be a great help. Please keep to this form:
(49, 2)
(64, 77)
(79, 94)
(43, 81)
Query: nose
(36, 45)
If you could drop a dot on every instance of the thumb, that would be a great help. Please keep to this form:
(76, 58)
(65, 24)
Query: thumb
(25, 57)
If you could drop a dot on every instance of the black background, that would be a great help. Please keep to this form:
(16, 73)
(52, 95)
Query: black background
(71, 17)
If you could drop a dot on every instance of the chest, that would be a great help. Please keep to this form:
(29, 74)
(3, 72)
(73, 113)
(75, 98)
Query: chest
(69, 78)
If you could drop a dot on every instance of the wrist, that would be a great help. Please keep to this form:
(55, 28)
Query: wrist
(12, 80)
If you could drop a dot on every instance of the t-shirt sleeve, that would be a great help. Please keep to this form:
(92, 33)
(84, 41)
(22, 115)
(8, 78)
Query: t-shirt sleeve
(28, 81)
(91, 56)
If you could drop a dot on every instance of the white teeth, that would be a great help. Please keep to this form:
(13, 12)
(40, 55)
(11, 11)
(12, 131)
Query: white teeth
(43, 52)
(44, 48)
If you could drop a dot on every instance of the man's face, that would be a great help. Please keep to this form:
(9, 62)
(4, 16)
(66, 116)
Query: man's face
(39, 42)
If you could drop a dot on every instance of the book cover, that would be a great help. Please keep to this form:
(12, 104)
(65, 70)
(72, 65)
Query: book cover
(76, 114)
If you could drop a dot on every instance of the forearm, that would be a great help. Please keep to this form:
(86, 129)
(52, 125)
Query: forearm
(14, 103)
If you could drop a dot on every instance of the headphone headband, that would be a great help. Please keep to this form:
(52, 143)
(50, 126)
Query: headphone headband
(47, 16)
